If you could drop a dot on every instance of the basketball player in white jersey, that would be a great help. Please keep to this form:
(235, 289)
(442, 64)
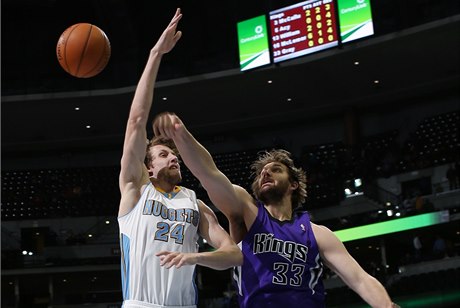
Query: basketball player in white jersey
(159, 221)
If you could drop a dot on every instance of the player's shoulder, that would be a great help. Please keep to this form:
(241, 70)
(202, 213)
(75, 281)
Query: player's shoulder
(131, 197)
(321, 228)
(244, 196)
(323, 234)
(186, 190)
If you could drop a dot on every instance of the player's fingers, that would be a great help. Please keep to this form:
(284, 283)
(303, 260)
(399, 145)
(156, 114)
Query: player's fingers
(161, 126)
(175, 19)
(177, 36)
(172, 123)
(156, 125)
(177, 15)
(162, 253)
(172, 262)
(183, 261)
(167, 126)
(176, 124)
(165, 258)
(164, 125)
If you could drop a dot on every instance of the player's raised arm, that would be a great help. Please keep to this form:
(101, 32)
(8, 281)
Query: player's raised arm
(229, 198)
(132, 174)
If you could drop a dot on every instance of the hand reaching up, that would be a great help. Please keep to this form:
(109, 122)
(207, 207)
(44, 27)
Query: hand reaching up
(170, 36)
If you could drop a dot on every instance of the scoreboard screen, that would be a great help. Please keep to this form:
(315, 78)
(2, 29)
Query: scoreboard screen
(303, 28)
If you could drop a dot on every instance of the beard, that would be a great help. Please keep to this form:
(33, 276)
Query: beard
(172, 177)
(273, 194)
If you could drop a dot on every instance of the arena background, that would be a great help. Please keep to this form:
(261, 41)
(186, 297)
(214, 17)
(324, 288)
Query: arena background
(398, 137)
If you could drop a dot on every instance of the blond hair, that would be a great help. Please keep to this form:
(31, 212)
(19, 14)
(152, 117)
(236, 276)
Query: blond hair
(156, 141)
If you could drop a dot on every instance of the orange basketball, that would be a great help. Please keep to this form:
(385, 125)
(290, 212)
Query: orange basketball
(83, 50)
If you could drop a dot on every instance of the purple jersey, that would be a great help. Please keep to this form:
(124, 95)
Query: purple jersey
(282, 265)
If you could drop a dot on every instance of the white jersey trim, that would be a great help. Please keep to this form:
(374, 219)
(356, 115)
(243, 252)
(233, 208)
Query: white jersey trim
(138, 304)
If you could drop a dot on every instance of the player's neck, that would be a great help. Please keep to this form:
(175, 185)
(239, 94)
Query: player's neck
(163, 186)
(281, 210)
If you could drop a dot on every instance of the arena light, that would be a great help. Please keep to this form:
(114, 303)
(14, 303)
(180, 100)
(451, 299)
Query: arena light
(353, 188)
(392, 226)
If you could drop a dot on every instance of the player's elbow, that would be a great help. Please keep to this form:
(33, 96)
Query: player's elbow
(234, 258)
(137, 121)
(238, 256)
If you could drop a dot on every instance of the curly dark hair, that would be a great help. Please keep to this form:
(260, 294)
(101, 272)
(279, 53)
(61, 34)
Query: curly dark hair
(295, 174)
(156, 141)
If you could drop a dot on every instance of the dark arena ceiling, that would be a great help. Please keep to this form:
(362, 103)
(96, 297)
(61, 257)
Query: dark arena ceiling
(414, 55)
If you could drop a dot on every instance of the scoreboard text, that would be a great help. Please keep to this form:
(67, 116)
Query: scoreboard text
(303, 28)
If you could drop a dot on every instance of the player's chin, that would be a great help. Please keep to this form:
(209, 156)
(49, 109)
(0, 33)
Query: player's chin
(176, 176)
(176, 173)
(266, 188)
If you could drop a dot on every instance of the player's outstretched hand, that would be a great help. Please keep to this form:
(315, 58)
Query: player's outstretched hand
(177, 259)
(167, 124)
(170, 36)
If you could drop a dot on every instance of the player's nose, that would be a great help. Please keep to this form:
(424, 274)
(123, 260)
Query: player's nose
(264, 173)
(174, 158)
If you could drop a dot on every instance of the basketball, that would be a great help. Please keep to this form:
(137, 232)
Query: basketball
(83, 50)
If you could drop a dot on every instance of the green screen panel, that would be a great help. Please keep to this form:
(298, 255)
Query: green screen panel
(253, 43)
(392, 226)
(355, 19)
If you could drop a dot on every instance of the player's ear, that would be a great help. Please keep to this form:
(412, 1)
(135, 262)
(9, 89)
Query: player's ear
(294, 185)
(148, 171)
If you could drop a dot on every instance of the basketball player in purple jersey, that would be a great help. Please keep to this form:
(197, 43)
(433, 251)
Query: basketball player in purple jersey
(283, 251)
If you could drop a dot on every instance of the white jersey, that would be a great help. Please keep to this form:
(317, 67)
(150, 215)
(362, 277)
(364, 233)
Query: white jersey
(159, 221)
